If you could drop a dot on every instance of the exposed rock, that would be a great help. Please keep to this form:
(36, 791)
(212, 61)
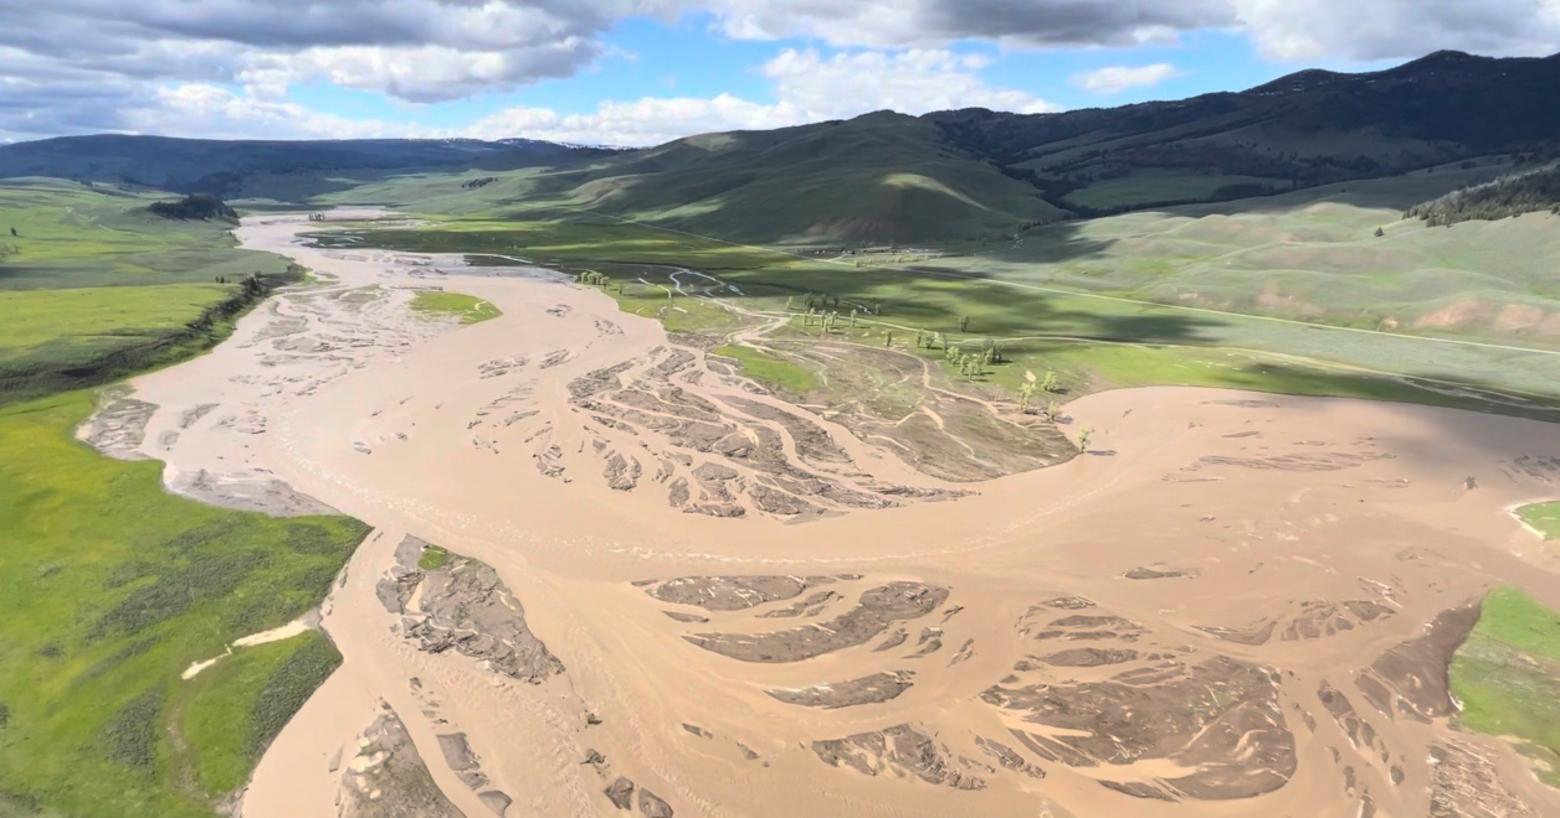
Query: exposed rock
(1220, 716)
(621, 473)
(679, 616)
(118, 427)
(1008, 757)
(812, 442)
(1360, 733)
(460, 758)
(733, 593)
(1149, 572)
(878, 609)
(1319, 618)
(464, 606)
(1255, 634)
(1466, 784)
(247, 492)
(496, 801)
(894, 640)
(652, 806)
(878, 687)
(811, 606)
(902, 749)
(1137, 789)
(1090, 657)
(388, 779)
(620, 792)
(928, 643)
(1416, 670)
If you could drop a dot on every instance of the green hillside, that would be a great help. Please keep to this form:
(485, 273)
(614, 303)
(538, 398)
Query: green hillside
(231, 168)
(1309, 128)
(885, 178)
(1313, 255)
(93, 285)
(878, 178)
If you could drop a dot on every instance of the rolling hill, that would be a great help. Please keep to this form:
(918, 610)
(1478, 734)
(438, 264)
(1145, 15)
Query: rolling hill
(882, 177)
(951, 175)
(889, 178)
(1308, 128)
(228, 167)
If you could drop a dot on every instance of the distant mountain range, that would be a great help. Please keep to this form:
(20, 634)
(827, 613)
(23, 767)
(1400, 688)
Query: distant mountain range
(941, 176)
(219, 166)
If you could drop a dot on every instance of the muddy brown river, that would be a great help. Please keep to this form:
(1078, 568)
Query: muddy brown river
(668, 592)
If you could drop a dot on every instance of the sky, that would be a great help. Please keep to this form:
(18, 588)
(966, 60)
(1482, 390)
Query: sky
(642, 72)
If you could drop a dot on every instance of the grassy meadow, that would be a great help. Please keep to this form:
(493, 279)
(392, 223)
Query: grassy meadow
(1093, 340)
(464, 308)
(93, 287)
(1507, 677)
(1543, 518)
(111, 588)
(774, 372)
(72, 235)
(1311, 255)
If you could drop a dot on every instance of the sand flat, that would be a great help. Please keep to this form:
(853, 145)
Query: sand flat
(1225, 558)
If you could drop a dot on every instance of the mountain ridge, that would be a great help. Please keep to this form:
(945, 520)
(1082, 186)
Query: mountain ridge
(941, 176)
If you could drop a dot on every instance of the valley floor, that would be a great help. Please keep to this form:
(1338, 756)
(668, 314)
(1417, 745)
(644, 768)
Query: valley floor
(610, 571)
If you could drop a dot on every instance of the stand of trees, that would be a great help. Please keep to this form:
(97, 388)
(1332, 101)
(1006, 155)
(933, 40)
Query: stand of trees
(1510, 195)
(195, 206)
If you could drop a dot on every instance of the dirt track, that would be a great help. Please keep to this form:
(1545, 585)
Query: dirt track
(1206, 615)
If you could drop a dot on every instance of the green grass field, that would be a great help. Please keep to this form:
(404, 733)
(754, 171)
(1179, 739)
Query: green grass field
(1152, 185)
(433, 558)
(233, 709)
(109, 588)
(1543, 517)
(1311, 255)
(1507, 676)
(1100, 341)
(464, 308)
(93, 287)
(72, 235)
(770, 370)
(879, 178)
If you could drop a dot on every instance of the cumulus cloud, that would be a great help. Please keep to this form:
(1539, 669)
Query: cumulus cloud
(911, 82)
(808, 86)
(1114, 79)
(1284, 29)
(223, 114)
(1395, 29)
(72, 66)
(417, 50)
(899, 23)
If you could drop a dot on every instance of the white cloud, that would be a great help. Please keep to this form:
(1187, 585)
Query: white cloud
(808, 87)
(647, 121)
(912, 82)
(935, 23)
(214, 112)
(417, 50)
(1114, 79)
(73, 66)
(1397, 29)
